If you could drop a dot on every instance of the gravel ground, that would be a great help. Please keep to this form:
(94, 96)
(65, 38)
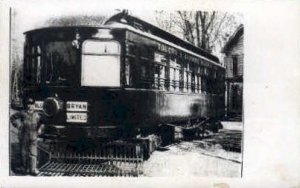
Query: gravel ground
(191, 159)
(196, 158)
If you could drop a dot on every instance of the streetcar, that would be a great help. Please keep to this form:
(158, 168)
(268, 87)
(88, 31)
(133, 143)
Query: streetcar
(124, 80)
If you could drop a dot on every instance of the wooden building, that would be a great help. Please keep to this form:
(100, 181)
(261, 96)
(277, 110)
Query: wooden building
(234, 60)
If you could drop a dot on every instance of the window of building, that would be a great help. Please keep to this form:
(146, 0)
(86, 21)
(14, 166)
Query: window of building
(189, 77)
(193, 82)
(234, 97)
(198, 85)
(172, 70)
(160, 69)
(33, 64)
(177, 79)
(235, 66)
(184, 80)
(127, 72)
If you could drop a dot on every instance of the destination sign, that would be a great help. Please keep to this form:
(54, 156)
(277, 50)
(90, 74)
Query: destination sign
(77, 106)
(38, 105)
(76, 117)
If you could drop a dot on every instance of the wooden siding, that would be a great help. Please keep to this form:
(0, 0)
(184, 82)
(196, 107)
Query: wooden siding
(240, 65)
(234, 83)
(237, 51)
(229, 67)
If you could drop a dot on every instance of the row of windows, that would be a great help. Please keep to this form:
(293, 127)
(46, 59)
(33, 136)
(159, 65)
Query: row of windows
(163, 71)
(171, 76)
(153, 67)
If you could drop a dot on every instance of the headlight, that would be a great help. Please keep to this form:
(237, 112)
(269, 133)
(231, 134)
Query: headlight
(52, 106)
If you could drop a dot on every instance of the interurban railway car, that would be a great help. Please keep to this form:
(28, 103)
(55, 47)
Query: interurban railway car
(118, 81)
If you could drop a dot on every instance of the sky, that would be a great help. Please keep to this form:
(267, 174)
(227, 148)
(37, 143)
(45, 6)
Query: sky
(32, 14)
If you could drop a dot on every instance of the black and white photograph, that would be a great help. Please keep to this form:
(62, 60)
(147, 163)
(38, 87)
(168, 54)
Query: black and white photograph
(126, 93)
(195, 93)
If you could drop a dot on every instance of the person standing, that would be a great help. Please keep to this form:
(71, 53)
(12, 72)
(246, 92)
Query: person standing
(28, 122)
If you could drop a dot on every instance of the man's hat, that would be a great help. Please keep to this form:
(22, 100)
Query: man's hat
(30, 101)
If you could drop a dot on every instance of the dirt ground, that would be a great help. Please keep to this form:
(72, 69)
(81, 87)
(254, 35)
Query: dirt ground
(193, 159)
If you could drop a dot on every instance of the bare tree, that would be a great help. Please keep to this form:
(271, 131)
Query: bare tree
(207, 30)
(165, 20)
(16, 69)
(186, 25)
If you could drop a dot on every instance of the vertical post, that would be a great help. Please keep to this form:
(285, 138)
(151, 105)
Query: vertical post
(226, 98)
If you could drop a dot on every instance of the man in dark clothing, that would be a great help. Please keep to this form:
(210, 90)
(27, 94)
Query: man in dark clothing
(28, 123)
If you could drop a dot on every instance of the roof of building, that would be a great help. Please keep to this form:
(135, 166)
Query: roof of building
(234, 38)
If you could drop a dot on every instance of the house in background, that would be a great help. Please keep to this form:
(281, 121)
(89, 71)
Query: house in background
(234, 60)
